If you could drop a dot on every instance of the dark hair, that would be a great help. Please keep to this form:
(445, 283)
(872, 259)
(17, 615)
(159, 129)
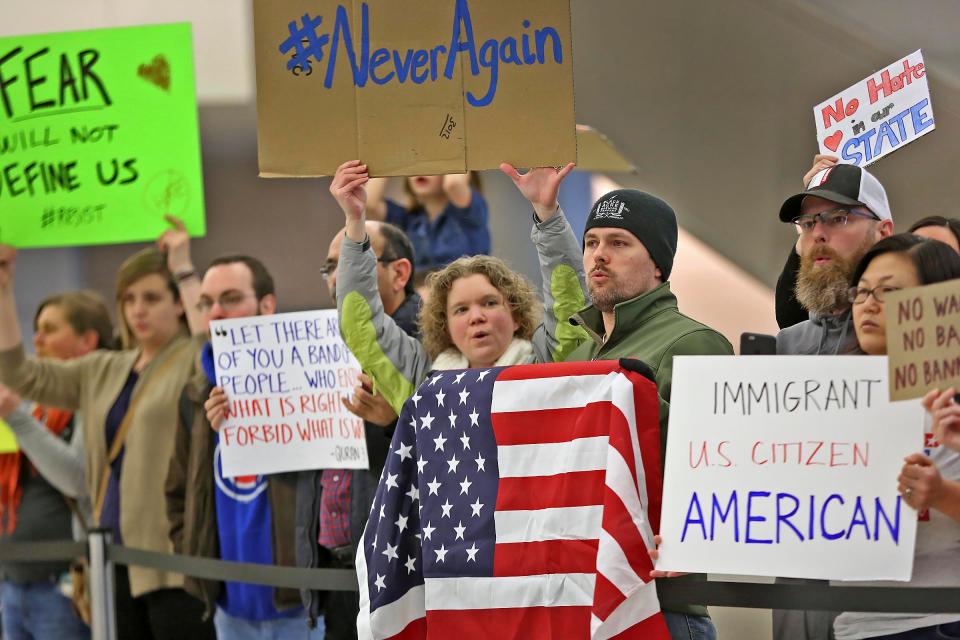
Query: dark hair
(934, 260)
(262, 280)
(84, 311)
(953, 224)
(396, 244)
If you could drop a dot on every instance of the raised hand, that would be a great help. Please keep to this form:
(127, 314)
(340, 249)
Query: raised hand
(175, 244)
(370, 406)
(539, 186)
(8, 259)
(820, 162)
(347, 188)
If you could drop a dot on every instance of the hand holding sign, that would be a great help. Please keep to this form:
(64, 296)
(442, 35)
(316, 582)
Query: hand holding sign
(175, 244)
(8, 259)
(216, 408)
(821, 161)
(945, 410)
(540, 186)
(920, 482)
(348, 190)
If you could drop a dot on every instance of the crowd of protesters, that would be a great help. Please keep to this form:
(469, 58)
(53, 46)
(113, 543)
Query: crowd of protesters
(127, 439)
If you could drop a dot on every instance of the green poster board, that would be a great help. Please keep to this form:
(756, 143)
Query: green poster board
(98, 136)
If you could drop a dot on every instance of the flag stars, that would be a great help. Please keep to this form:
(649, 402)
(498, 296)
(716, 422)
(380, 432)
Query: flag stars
(474, 418)
(483, 374)
(464, 394)
(416, 399)
(410, 564)
(383, 508)
(446, 506)
(426, 421)
(472, 552)
(465, 486)
(439, 441)
(459, 530)
(390, 552)
(401, 523)
(480, 462)
(441, 553)
(459, 377)
(421, 464)
(404, 451)
(392, 481)
(476, 506)
(453, 419)
(428, 531)
(379, 583)
(465, 441)
(436, 379)
(452, 463)
(434, 487)
(414, 493)
(440, 396)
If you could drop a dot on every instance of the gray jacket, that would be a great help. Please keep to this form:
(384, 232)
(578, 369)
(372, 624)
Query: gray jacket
(819, 336)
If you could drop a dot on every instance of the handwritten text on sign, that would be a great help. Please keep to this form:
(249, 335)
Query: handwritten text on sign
(923, 339)
(877, 115)
(787, 466)
(98, 136)
(285, 376)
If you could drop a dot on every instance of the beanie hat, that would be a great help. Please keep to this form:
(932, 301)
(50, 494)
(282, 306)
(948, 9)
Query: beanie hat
(647, 217)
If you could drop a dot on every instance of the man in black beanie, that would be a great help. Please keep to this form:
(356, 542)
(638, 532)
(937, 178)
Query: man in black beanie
(628, 249)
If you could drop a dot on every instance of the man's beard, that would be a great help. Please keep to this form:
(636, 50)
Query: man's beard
(607, 298)
(823, 290)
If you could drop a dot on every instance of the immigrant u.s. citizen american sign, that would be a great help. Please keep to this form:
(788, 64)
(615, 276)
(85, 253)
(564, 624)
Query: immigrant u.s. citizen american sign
(413, 87)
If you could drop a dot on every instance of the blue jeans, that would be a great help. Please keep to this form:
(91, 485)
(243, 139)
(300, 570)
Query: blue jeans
(38, 611)
(232, 628)
(684, 626)
(937, 632)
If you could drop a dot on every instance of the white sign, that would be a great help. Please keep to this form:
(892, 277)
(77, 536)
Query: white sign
(877, 115)
(787, 466)
(285, 376)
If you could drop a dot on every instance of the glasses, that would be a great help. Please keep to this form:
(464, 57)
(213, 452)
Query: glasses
(834, 219)
(228, 302)
(859, 295)
(331, 265)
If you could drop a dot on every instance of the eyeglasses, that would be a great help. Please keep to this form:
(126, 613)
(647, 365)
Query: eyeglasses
(331, 265)
(859, 295)
(833, 219)
(228, 302)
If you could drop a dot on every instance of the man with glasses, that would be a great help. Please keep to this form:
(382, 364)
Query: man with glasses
(839, 216)
(333, 504)
(243, 519)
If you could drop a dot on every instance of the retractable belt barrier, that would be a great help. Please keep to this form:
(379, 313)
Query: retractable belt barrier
(818, 596)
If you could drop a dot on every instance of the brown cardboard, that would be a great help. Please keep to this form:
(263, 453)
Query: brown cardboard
(923, 339)
(404, 128)
(597, 154)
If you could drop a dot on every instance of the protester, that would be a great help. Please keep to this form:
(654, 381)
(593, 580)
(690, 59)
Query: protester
(479, 312)
(446, 216)
(928, 481)
(128, 401)
(629, 245)
(333, 504)
(243, 519)
(37, 482)
(946, 230)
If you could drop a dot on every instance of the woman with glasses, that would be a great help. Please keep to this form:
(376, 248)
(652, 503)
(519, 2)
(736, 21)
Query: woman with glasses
(928, 482)
(128, 403)
(479, 312)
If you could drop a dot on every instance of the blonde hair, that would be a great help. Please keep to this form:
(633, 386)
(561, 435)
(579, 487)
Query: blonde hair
(141, 264)
(517, 291)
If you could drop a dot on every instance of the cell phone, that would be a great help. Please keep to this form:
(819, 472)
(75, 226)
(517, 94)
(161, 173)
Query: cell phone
(757, 344)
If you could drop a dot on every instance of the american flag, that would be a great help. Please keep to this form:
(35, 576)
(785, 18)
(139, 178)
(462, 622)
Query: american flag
(517, 502)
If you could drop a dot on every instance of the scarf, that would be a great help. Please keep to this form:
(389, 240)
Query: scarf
(520, 351)
(11, 466)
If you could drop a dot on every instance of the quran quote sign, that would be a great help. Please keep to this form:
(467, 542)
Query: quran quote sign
(98, 136)
(413, 87)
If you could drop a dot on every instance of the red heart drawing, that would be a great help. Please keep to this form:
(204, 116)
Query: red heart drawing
(832, 142)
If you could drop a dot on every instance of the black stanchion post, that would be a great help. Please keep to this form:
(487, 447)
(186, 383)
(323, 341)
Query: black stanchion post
(102, 597)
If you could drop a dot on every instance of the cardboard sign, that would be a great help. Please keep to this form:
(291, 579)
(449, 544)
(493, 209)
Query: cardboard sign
(413, 87)
(787, 466)
(285, 375)
(877, 115)
(596, 153)
(98, 136)
(923, 339)
(8, 442)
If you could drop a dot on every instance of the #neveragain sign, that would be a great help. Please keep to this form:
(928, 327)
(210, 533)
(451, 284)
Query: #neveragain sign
(413, 87)
(284, 376)
(787, 466)
(877, 115)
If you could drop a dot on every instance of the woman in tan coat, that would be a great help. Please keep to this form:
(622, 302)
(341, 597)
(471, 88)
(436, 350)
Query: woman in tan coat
(128, 402)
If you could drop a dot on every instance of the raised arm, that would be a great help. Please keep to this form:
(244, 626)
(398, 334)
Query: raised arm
(10, 336)
(174, 243)
(458, 190)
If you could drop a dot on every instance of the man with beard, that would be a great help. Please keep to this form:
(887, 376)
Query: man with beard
(628, 249)
(842, 213)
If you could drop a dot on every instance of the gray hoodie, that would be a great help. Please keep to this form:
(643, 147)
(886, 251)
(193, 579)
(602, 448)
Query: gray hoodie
(820, 335)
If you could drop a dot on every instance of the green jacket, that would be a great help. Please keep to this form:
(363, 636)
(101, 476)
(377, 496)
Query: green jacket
(650, 328)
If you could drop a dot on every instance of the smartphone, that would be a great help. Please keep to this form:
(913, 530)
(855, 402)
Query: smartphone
(757, 344)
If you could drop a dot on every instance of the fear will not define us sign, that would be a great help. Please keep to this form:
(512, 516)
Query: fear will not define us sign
(98, 136)
(413, 87)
